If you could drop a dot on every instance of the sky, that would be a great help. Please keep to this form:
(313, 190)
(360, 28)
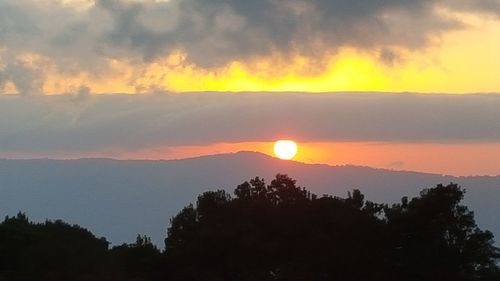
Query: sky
(396, 84)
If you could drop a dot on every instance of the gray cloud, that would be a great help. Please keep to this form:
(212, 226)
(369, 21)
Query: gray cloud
(217, 31)
(99, 123)
(213, 32)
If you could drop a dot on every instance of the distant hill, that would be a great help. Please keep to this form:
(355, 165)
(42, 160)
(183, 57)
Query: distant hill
(120, 199)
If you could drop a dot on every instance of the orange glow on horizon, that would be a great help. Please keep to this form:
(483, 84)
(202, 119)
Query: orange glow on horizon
(452, 159)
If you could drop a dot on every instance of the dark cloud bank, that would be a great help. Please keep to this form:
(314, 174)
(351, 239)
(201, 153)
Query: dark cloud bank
(97, 123)
(212, 32)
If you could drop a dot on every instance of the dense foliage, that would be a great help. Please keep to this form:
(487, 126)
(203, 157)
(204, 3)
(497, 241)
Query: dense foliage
(55, 250)
(276, 231)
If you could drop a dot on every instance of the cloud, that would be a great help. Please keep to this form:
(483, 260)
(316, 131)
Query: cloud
(105, 122)
(218, 31)
(75, 38)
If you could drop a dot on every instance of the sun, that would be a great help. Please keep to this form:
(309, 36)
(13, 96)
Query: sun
(285, 149)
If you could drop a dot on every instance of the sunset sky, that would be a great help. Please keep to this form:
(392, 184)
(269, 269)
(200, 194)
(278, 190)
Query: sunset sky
(396, 84)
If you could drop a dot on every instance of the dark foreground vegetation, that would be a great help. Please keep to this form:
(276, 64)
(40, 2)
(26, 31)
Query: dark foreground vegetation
(264, 232)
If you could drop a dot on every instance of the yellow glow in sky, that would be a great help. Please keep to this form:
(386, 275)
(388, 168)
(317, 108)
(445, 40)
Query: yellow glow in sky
(462, 61)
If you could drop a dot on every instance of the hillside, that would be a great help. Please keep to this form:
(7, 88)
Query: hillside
(119, 199)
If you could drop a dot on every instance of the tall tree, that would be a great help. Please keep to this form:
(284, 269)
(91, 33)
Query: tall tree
(281, 231)
(436, 238)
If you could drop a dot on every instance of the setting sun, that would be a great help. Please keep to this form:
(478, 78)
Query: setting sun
(285, 149)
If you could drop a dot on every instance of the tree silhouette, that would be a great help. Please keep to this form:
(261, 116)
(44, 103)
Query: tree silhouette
(281, 231)
(53, 250)
(275, 231)
(139, 261)
(436, 238)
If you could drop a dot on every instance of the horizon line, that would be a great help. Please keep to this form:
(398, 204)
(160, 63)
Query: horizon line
(244, 152)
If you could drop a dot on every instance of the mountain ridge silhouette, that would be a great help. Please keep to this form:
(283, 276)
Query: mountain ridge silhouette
(119, 199)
